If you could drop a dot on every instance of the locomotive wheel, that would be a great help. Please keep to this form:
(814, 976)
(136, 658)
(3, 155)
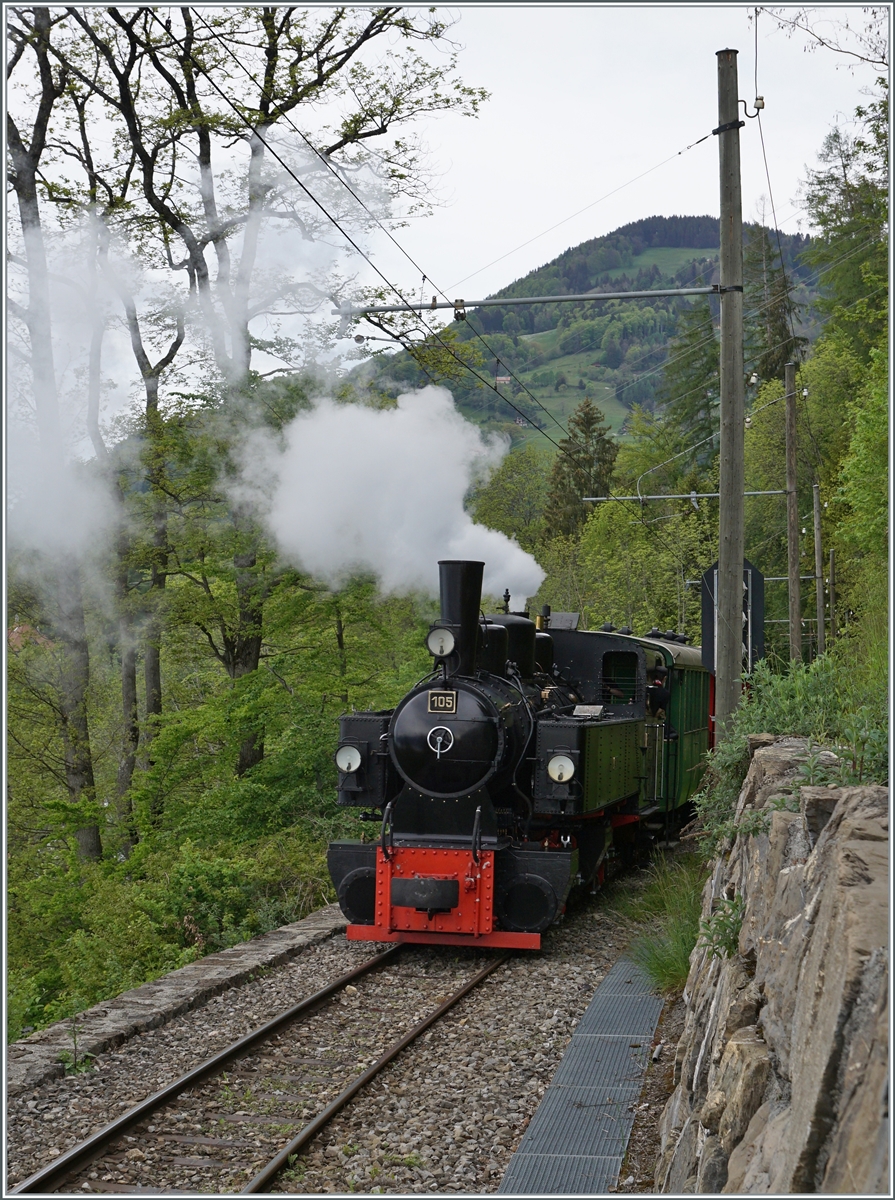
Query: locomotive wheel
(357, 896)
(528, 905)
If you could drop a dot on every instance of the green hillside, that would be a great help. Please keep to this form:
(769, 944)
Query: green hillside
(667, 259)
(612, 351)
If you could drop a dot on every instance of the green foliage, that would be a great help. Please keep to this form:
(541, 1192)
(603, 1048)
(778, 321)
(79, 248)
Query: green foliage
(550, 347)
(664, 918)
(22, 996)
(771, 313)
(167, 905)
(582, 468)
(514, 497)
(848, 201)
(219, 857)
(690, 388)
(721, 932)
(865, 467)
(829, 700)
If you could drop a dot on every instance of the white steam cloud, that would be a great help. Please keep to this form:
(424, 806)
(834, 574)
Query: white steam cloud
(358, 488)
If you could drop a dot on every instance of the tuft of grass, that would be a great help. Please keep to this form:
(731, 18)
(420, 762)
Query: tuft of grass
(663, 918)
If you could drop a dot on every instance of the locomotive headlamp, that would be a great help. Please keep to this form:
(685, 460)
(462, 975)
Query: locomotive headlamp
(348, 759)
(440, 642)
(560, 768)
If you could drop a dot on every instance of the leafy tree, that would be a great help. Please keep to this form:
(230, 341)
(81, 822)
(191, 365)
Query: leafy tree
(175, 94)
(513, 499)
(63, 608)
(582, 468)
(866, 465)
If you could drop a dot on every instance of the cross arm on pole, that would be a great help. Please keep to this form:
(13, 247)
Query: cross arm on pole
(347, 311)
(682, 496)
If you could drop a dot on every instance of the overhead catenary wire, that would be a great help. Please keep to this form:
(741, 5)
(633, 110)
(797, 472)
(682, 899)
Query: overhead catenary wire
(337, 225)
(451, 304)
(755, 411)
(360, 201)
(271, 149)
(566, 450)
(326, 162)
(563, 450)
(324, 159)
(817, 276)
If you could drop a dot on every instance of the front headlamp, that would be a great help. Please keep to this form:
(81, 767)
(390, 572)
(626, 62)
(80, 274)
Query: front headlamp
(440, 642)
(348, 759)
(560, 768)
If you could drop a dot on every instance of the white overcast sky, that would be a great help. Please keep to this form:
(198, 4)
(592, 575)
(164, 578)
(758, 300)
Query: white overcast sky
(586, 97)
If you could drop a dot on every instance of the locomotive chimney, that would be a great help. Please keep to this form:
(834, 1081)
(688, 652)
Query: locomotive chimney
(461, 601)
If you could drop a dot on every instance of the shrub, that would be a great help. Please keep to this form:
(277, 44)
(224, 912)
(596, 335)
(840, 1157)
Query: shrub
(664, 918)
(830, 701)
(721, 932)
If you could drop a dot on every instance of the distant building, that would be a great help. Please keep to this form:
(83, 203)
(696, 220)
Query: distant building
(17, 636)
(502, 378)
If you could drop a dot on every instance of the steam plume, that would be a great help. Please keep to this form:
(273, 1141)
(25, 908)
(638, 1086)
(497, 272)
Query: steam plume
(357, 488)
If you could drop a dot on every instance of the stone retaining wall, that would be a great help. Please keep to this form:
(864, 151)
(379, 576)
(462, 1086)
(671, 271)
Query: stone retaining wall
(37, 1058)
(782, 1069)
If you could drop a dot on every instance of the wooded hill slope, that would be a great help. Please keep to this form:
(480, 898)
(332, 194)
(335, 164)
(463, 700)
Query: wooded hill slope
(555, 354)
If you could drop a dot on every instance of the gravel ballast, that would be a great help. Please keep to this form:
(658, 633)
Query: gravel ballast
(445, 1116)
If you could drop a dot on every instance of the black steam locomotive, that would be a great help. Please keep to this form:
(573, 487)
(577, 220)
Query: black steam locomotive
(511, 773)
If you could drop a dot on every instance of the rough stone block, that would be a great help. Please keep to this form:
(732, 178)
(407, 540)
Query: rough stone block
(817, 805)
(758, 741)
(740, 1160)
(712, 1174)
(682, 1172)
(857, 1155)
(783, 1076)
(742, 1077)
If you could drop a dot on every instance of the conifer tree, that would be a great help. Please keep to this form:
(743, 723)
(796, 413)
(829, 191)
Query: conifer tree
(582, 468)
(689, 391)
(848, 201)
(771, 312)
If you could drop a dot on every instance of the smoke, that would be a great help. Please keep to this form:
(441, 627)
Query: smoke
(362, 489)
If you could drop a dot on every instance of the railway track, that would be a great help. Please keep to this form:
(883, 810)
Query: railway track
(354, 1026)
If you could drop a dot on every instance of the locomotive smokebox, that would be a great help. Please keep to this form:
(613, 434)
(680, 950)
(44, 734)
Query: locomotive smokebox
(461, 601)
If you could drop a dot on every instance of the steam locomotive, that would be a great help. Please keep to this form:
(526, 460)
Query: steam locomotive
(510, 775)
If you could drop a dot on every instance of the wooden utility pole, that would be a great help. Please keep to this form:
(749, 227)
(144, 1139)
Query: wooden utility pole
(819, 575)
(792, 517)
(729, 646)
(832, 594)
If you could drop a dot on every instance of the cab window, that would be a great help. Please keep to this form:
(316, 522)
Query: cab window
(620, 678)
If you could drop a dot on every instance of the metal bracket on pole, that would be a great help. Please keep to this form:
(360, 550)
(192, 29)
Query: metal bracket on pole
(729, 125)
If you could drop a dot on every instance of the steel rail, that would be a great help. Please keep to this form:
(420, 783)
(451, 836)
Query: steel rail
(311, 1130)
(44, 1179)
